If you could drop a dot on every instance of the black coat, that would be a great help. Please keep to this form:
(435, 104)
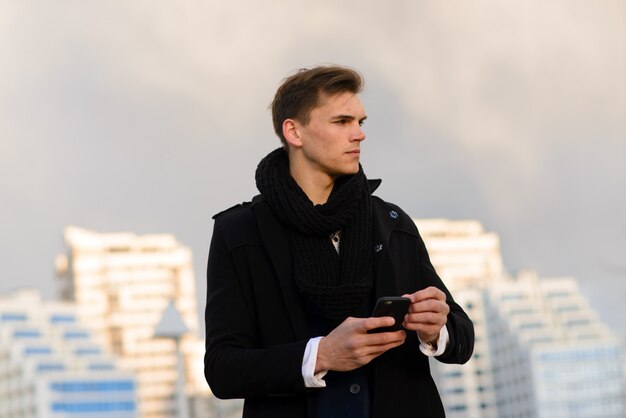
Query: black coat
(257, 330)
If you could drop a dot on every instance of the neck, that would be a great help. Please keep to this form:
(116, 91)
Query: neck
(317, 185)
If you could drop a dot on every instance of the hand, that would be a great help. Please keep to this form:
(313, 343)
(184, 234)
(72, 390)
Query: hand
(349, 346)
(428, 313)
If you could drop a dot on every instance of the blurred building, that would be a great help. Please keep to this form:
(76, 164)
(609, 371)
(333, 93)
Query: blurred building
(52, 366)
(462, 252)
(122, 284)
(540, 350)
(467, 259)
(551, 355)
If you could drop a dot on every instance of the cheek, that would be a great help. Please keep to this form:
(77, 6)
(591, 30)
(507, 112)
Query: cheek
(323, 147)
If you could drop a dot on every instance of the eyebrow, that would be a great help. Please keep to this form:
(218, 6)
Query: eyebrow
(348, 117)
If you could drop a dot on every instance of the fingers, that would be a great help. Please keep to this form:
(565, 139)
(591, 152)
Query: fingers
(350, 346)
(426, 294)
(378, 339)
(430, 305)
(360, 326)
(376, 322)
(430, 299)
(428, 312)
(374, 345)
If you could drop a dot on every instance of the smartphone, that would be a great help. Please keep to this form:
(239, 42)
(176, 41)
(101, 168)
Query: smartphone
(394, 306)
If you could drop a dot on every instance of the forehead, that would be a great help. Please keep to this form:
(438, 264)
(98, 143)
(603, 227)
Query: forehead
(340, 102)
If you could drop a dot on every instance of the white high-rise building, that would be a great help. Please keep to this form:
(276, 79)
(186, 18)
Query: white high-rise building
(463, 254)
(467, 259)
(52, 366)
(540, 351)
(552, 356)
(122, 283)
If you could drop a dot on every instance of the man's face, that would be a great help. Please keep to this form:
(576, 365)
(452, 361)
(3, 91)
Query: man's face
(332, 138)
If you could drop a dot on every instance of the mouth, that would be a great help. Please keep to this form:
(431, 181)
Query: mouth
(354, 152)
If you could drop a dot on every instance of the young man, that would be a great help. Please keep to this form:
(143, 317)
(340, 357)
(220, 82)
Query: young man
(293, 277)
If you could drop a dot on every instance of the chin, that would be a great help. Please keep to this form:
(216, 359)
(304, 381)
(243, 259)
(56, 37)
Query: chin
(348, 171)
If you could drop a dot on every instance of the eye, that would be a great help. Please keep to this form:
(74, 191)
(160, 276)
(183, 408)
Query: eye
(361, 122)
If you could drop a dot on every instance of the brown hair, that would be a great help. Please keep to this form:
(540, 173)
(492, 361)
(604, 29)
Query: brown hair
(301, 92)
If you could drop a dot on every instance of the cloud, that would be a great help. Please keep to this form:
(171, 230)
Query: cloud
(151, 115)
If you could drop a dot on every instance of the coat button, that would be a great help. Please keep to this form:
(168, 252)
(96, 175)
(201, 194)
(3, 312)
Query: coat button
(354, 389)
(378, 247)
(393, 214)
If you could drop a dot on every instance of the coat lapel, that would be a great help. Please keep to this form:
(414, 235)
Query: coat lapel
(384, 220)
(277, 245)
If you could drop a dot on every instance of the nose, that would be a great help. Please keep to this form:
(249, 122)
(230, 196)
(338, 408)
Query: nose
(358, 134)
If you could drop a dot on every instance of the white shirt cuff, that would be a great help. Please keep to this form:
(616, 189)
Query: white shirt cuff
(429, 350)
(312, 379)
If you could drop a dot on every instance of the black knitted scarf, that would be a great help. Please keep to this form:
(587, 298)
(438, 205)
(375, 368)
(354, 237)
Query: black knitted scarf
(338, 285)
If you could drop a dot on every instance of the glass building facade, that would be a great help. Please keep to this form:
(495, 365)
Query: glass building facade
(552, 357)
(540, 350)
(52, 367)
(122, 283)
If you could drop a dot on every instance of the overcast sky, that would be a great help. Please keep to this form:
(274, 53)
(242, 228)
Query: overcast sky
(150, 116)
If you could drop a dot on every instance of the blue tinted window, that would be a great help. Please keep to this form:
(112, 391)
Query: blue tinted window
(76, 335)
(580, 355)
(83, 407)
(101, 366)
(50, 367)
(87, 351)
(91, 386)
(62, 318)
(458, 408)
(13, 316)
(455, 390)
(37, 350)
(26, 333)
(530, 325)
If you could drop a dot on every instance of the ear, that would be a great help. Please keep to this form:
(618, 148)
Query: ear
(290, 132)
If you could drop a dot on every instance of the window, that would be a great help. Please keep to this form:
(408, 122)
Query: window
(26, 333)
(101, 366)
(93, 386)
(13, 317)
(75, 335)
(575, 322)
(37, 350)
(455, 390)
(558, 294)
(84, 407)
(531, 325)
(458, 408)
(87, 351)
(62, 319)
(50, 367)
